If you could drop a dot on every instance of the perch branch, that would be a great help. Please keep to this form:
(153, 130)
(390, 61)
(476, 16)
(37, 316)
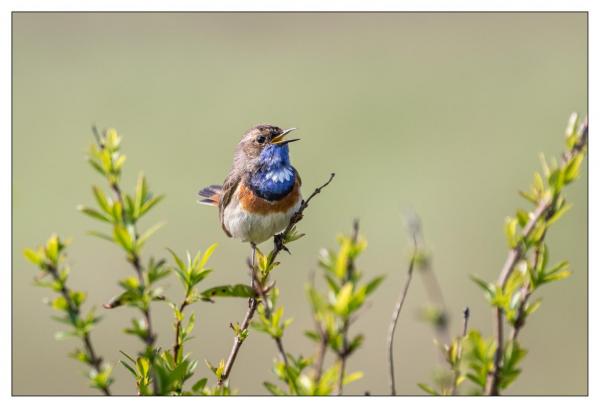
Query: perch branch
(253, 303)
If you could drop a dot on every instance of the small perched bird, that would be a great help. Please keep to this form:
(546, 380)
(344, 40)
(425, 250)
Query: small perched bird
(262, 191)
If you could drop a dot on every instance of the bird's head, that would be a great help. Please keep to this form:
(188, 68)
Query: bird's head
(261, 142)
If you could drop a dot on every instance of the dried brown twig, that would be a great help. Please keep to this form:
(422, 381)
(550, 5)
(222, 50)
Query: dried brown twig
(396, 314)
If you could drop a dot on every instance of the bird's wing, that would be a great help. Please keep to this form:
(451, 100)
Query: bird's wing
(229, 186)
(297, 176)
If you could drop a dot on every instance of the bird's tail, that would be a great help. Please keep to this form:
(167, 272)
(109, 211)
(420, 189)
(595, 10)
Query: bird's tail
(211, 195)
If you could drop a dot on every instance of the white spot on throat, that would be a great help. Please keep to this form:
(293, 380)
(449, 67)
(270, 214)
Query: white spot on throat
(280, 175)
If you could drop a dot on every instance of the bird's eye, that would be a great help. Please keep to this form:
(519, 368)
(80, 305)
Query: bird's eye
(260, 139)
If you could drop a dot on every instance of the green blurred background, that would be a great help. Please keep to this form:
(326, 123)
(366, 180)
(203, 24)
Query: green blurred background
(444, 114)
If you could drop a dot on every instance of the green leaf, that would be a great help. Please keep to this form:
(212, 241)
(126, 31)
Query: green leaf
(572, 169)
(148, 233)
(129, 368)
(94, 214)
(357, 375)
(177, 260)
(118, 164)
(533, 306)
(489, 288)
(522, 217)
(117, 212)
(428, 389)
(343, 298)
(556, 276)
(239, 290)
(101, 235)
(140, 191)
(78, 297)
(528, 196)
(199, 385)
(538, 232)
(293, 235)
(34, 257)
(316, 300)
(96, 166)
(538, 182)
(60, 303)
(544, 164)
(112, 140)
(373, 284)
(332, 284)
(559, 213)
(127, 356)
(355, 343)
(207, 254)
(571, 128)
(122, 237)
(312, 335)
(341, 263)
(147, 206)
(102, 200)
(510, 229)
(53, 248)
(273, 389)
(557, 179)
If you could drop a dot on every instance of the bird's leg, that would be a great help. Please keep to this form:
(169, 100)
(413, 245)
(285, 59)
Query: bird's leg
(253, 266)
(253, 280)
(278, 242)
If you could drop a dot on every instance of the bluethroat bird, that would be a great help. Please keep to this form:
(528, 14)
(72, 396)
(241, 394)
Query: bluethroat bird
(262, 191)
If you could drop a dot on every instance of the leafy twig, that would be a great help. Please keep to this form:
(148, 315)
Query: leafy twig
(123, 213)
(48, 260)
(239, 337)
(542, 213)
(259, 286)
(343, 355)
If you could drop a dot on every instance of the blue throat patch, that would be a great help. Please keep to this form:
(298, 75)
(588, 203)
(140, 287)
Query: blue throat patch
(275, 177)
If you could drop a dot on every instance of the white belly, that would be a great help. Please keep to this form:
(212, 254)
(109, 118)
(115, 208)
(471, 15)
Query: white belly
(253, 227)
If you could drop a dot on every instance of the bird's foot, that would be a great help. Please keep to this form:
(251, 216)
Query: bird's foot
(278, 242)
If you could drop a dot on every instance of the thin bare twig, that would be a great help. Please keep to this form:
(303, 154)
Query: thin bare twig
(466, 315)
(436, 297)
(430, 281)
(396, 315)
(323, 340)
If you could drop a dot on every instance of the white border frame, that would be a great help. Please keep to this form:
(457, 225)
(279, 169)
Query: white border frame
(7, 7)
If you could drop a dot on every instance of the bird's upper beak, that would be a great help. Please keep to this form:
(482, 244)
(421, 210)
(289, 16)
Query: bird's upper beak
(279, 138)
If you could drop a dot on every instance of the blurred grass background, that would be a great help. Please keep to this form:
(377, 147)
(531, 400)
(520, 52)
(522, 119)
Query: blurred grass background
(444, 114)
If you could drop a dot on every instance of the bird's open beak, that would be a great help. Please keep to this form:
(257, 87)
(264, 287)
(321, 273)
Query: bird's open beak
(277, 140)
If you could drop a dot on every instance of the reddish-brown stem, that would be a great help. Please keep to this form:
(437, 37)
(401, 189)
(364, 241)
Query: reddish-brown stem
(514, 256)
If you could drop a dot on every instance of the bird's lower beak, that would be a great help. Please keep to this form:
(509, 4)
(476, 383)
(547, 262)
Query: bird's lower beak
(279, 138)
